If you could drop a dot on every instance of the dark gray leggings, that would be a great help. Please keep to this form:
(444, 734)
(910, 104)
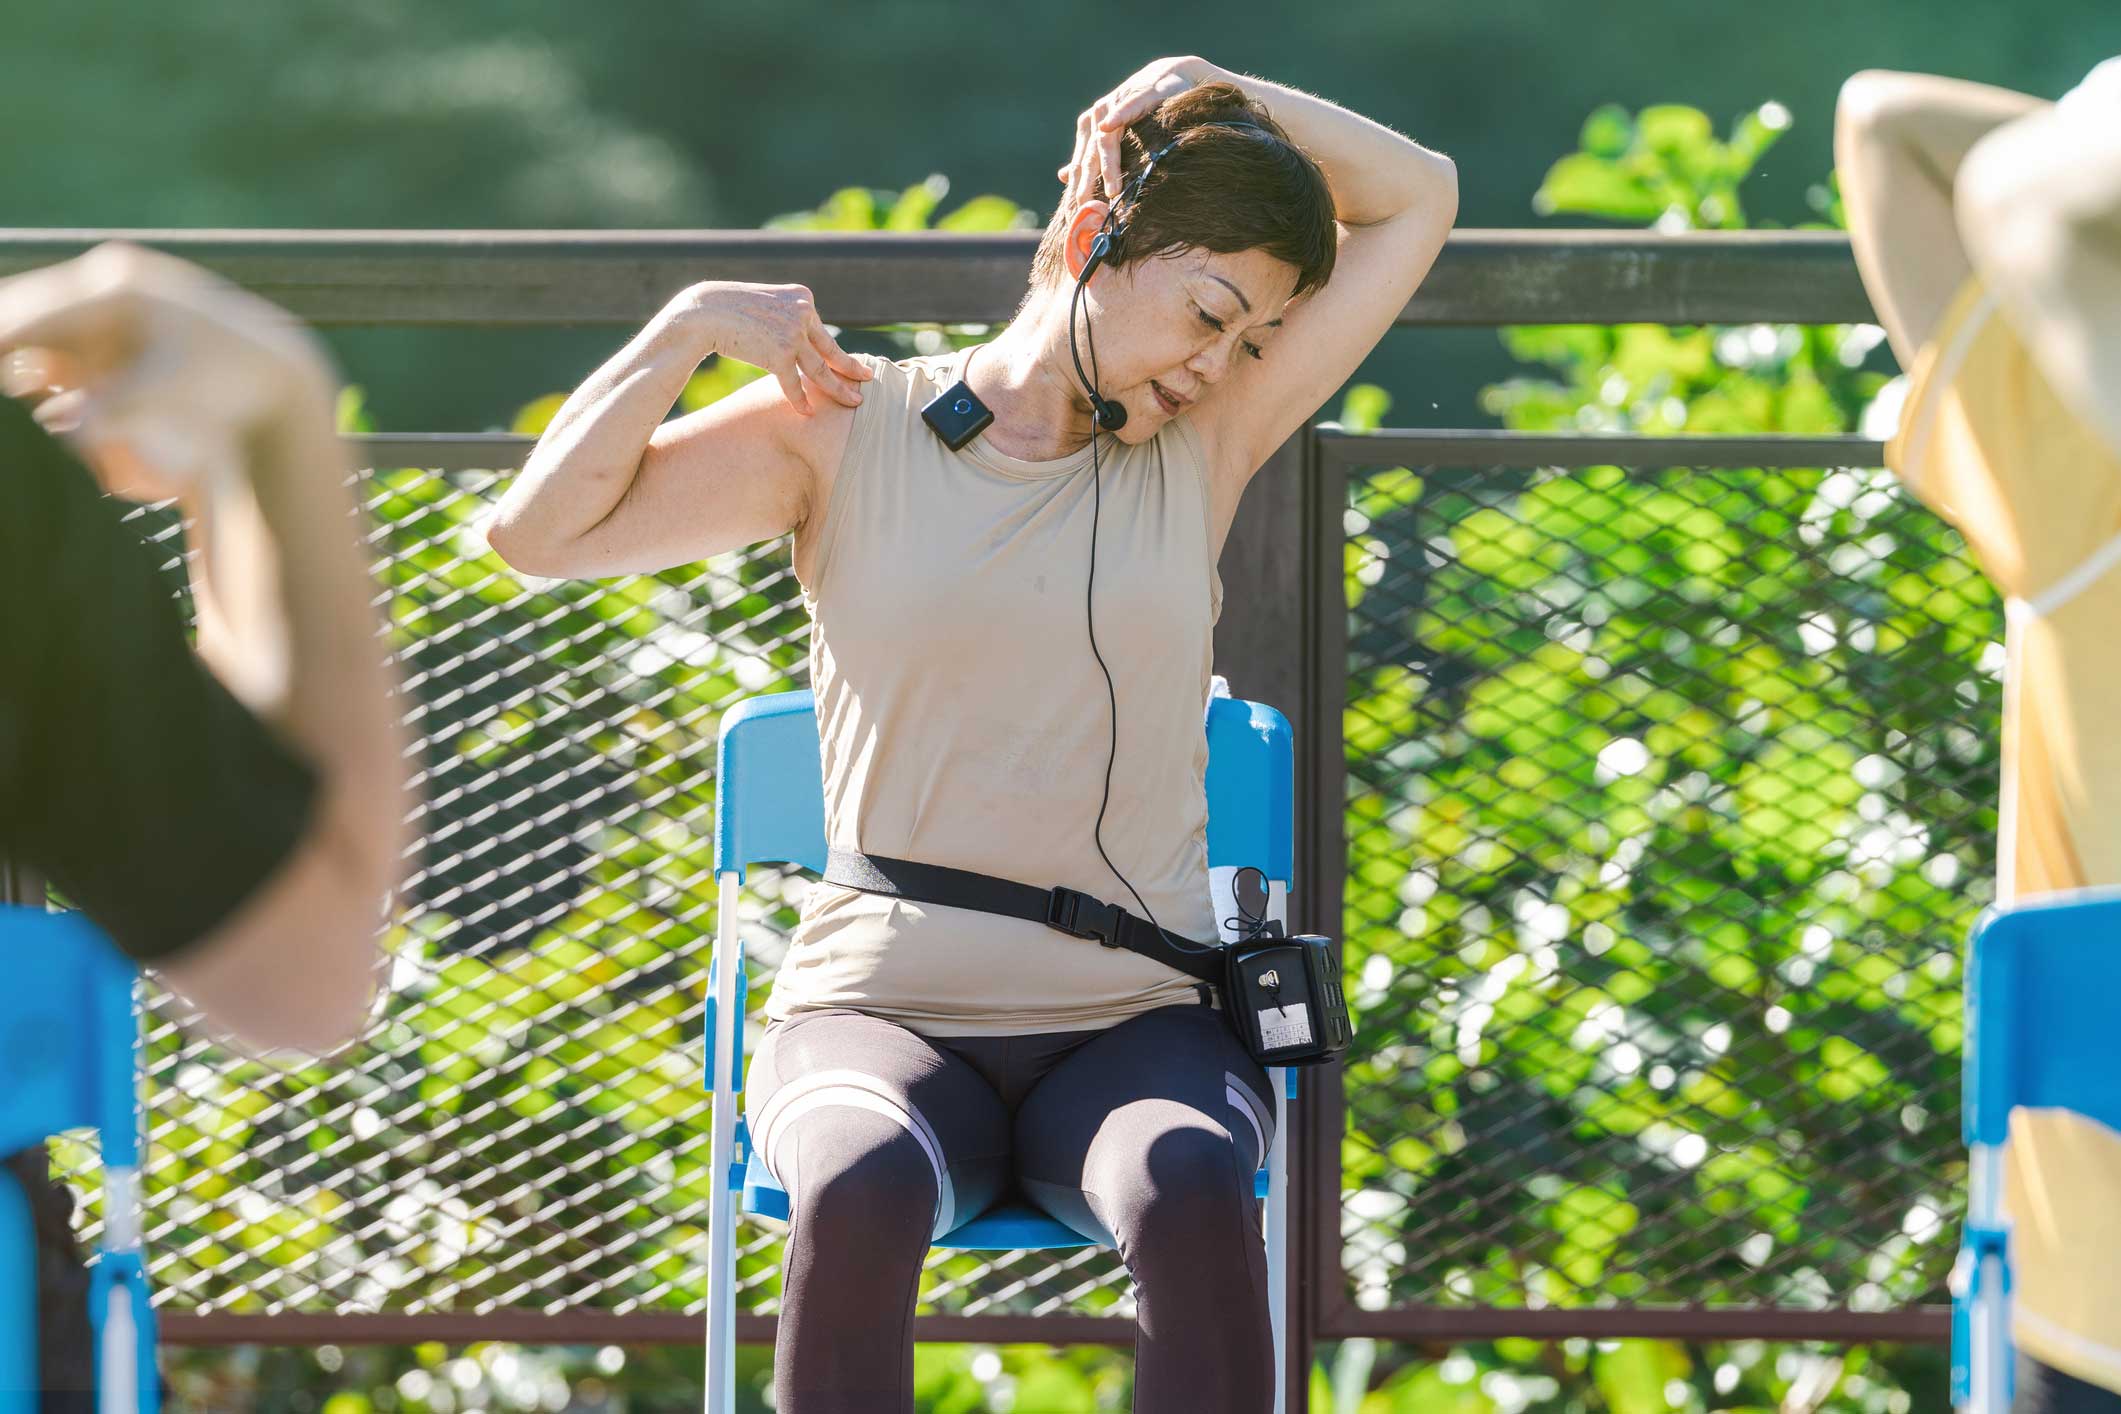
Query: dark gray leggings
(1145, 1136)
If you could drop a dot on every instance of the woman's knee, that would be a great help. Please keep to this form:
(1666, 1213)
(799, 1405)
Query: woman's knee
(855, 1172)
(1181, 1189)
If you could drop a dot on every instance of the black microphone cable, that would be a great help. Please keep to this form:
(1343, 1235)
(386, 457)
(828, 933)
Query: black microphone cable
(1097, 419)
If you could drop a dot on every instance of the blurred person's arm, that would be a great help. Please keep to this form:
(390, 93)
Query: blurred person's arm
(249, 866)
(287, 618)
(1899, 140)
(612, 489)
(2039, 204)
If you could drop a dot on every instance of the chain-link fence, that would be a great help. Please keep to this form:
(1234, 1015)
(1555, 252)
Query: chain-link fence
(1669, 803)
(523, 1126)
(1669, 800)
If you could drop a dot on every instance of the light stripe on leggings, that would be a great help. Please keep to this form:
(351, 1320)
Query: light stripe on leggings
(851, 1089)
(1240, 1098)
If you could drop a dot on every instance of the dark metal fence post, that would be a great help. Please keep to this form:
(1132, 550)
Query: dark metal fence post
(1265, 644)
(1259, 639)
(1260, 646)
(1322, 851)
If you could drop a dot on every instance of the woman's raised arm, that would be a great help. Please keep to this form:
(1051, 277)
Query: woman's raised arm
(1394, 201)
(2039, 205)
(610, 489)
(1898, 142)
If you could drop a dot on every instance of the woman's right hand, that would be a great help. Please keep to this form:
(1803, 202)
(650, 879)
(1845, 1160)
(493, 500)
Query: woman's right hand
(776, 327)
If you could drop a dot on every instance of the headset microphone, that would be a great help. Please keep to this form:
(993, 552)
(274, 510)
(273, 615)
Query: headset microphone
(1106, 414)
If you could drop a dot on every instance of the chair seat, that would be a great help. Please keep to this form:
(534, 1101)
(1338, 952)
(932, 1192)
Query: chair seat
(1009, 1227)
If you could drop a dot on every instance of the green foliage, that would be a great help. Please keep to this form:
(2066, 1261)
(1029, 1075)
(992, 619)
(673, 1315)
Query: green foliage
(434, 1378)
(1666, 166)
(867, 209)
(1668, 805)
(1663, 165)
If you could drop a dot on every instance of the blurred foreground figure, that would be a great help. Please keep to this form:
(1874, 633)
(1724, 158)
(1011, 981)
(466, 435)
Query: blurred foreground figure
(1987, 225)
(233, 818)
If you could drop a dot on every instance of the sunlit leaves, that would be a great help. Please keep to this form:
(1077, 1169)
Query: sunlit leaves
(1663, 165)
(1669, 795)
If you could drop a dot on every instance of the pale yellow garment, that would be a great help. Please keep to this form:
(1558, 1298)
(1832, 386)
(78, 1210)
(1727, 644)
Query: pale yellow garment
(964, 722)
(2037, 494)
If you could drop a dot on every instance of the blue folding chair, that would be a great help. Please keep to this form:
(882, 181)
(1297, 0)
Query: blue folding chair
(70, 1052)
(2040, 989)
(771, 809)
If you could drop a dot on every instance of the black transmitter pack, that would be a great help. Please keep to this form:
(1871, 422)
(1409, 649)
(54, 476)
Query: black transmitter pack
(1285, 999)
(956, 415)
(1283, 994)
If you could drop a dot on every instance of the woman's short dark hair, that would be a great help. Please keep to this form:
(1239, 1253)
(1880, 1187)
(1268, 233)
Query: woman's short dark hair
(1221, 188)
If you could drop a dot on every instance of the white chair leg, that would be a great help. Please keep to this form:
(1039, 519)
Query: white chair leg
(121, 1385)
(118, 1372)
(1991, 1342)
(721, 1154)
(1278, 1236)
(1988, 1355)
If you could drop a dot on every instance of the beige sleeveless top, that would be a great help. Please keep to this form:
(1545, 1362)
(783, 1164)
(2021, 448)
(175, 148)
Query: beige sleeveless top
(964, 722)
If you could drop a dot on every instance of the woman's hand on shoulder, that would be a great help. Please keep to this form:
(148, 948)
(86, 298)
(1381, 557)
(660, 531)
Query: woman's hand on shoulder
(776, 327)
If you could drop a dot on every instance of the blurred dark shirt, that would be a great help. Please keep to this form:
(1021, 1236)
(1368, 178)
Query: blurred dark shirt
(129, 777)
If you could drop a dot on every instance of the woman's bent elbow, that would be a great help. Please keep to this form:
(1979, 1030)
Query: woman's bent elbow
(524, 553)
(299, 964)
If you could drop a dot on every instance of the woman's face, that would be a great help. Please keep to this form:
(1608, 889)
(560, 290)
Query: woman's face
(1169, 329)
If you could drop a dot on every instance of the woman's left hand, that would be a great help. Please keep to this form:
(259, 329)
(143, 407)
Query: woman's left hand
(1098, 130)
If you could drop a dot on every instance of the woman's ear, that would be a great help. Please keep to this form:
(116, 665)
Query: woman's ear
(1088, 220)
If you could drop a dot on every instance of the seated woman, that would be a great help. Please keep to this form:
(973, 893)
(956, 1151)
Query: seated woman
(1987, 225)
(986, 703)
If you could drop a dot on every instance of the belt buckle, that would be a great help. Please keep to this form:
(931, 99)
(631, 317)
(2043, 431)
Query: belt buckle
(1064, 910)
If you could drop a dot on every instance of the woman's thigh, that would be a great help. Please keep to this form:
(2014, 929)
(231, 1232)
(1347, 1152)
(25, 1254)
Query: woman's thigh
(818, 1065)
(1164, 1100)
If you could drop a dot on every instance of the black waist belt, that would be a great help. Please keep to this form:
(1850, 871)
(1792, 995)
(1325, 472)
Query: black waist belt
(1069, 910)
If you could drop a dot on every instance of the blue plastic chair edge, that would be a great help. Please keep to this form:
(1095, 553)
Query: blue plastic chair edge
(115, 1114)
(767, 1199)
(760, 708)
(1991, 1084)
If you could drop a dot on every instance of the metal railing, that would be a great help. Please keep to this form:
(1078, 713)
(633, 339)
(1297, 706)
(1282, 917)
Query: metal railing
(517, 1152)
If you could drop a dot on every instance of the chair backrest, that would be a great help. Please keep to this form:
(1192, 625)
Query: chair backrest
(769, 804)
(770, 794)
(2040, 990)
(70, 1058)
(68, 1042)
